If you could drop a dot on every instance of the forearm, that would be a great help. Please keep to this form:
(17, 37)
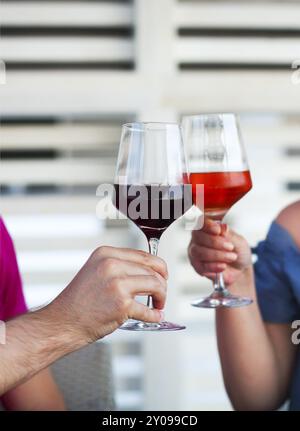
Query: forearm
(247, 355)
(33, 342)
(38, 393)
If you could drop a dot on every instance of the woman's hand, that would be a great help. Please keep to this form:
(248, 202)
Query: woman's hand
(215, 248)
(102, 295)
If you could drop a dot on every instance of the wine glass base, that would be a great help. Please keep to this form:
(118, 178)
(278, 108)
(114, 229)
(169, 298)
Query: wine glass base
(136, 325)
(216, 300)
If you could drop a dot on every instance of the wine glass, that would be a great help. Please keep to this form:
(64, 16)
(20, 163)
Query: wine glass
(150, 188)
(217, 160)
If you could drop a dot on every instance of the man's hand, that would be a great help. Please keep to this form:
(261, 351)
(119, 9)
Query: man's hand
(215, 248)
(96, 302)
(102, 295)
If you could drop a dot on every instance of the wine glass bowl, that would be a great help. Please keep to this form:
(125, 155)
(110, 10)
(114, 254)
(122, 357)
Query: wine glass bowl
(217, 160)
(151, 187)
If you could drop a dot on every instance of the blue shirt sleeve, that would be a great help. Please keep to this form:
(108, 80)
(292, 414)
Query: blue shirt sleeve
(278, 260)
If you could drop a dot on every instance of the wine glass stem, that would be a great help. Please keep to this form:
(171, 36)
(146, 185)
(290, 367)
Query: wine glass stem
(219, 284)
(153, 249)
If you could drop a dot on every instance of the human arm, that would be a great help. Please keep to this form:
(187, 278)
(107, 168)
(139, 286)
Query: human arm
(40, 393)
(96, 302)
(257, 358)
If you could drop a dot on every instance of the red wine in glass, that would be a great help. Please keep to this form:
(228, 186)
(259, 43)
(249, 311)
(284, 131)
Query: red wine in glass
(221, 190)
(158, 206)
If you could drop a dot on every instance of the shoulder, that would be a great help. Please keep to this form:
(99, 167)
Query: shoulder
(289, 218)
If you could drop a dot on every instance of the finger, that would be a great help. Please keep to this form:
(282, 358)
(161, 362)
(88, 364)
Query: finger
(140, 311)
(214, 267)
(141, 285)
(206, 254)
(137, 256)
(118, 267)
(205, 267)
(212, 241)
(211, 226)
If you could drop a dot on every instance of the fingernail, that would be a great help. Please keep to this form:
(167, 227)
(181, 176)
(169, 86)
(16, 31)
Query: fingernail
(228, 246)
(231, 256)
(162, 315)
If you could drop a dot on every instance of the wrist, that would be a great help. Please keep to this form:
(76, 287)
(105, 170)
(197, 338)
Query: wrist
(33, 342)
(66, 333)
(244, 283)
(247, 272)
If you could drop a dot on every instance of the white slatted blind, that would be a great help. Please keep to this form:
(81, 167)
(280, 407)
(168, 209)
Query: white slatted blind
(237, 34)
(235, 14)
(76, 71)
(65, 34)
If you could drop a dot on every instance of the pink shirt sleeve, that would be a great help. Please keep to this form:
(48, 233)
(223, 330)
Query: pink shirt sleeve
(12, 302)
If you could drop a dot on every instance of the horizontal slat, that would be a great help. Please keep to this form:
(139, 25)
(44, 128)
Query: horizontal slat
(60, 137)
(52, 261)
(44, 204)
(237, 50)
(235, 92)
(46, 232)
(59, 172)
(246, 14)
(65, 49)
(65, 13)
(64, 92)
(55, 226)
(57, 276)
(112, 237)
(279, 136)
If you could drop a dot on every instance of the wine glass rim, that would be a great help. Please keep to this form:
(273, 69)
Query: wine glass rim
(140, 126)
(227, 114)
